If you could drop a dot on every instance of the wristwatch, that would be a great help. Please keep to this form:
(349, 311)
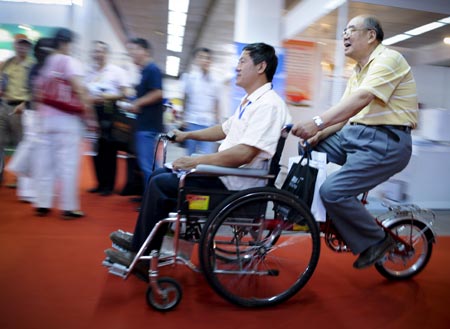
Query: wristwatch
(318, 121)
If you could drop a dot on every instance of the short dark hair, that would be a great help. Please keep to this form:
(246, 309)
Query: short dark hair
(63, 35)
(141, 42)
(261, 52)
(203, 50)
(373, 23)
(101, 43)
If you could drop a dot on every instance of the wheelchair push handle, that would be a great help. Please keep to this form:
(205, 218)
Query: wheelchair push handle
(170, 136)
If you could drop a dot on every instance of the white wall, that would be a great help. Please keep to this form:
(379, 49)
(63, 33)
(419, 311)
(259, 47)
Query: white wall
(88, 21)
(433, 85)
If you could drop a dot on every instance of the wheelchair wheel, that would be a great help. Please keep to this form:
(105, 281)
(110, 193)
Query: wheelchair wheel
(250, 252)
(407, 260)
(169, 298)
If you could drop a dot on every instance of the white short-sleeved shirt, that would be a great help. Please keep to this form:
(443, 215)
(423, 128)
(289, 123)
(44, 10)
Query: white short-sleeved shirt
(201, 97)
(257, 124)
(109, 80)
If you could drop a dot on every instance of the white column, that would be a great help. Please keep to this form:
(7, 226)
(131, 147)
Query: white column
(339, 56)
(258, 21)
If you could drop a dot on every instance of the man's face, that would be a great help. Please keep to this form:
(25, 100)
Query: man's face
(246, 71)
(22, 48)
(136, 52)
(99, 53)
(356, 39)
(203, 60)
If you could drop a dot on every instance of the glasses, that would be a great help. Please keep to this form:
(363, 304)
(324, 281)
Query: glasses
(349, 30)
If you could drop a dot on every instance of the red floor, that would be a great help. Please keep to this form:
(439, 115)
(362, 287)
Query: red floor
(51, 277)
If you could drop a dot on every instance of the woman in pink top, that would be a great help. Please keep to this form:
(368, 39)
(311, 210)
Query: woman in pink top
(60, 136)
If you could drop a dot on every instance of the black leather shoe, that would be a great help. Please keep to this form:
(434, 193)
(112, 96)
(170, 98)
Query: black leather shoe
(42, 211)
(374, 253)
(126, 258)
(105, 193)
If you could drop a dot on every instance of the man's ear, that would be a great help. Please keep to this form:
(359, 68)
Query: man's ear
(261, 67)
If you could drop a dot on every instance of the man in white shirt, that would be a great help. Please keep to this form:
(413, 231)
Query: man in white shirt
(250, 139)
(201, 101)
(106, 83)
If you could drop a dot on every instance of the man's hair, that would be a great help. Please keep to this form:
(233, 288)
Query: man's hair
(203, 50)
(63, 35)
(373, 23)
(261, 52)
(102, 43)
(141, 42)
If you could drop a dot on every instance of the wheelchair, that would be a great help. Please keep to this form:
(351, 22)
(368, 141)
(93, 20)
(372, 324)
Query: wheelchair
(259, 247)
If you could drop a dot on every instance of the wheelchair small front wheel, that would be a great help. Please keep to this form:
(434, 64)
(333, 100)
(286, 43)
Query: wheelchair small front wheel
(410, 258)
(169, 297)
(259, 247)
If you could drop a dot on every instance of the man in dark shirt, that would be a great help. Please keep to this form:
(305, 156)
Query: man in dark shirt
(148, 105)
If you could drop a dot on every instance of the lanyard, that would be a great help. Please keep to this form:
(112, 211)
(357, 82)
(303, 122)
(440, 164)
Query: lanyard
(242, 109)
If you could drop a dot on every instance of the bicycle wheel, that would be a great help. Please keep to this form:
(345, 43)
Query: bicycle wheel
(250, 251)
(409, 258)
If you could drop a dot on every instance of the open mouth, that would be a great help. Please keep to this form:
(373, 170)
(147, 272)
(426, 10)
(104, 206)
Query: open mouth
(347, 45)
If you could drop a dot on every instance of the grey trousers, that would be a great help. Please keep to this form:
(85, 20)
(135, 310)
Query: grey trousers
(369, 156)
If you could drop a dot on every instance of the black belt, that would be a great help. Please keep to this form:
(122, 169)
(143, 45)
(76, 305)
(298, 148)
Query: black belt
(14, 103)
(387, 129)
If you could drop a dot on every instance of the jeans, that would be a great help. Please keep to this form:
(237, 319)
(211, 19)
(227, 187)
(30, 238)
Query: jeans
(145, 152)
(199, 146)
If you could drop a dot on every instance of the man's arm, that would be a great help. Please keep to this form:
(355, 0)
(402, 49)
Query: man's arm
(337, 114)
(211, 134)
(149, 98)
(234, 157)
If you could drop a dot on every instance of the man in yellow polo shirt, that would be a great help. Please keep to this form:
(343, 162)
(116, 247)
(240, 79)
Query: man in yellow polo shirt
(368, 133)
(13, 92)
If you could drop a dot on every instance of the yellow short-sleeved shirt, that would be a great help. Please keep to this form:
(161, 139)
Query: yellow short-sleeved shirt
(388, 76)
(17, 86)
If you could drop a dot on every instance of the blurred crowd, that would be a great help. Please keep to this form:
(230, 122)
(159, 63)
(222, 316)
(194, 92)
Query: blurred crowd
(44, 136)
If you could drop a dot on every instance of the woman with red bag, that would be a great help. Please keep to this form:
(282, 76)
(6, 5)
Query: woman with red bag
(61, 133)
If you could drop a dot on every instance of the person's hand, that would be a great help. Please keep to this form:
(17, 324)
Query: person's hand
(19, 109)
(180, 136)
(185, 163)
(305, 130)
(133, 108)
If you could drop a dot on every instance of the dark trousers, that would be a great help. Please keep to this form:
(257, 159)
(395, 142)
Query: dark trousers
(159, 199)
(105, 163)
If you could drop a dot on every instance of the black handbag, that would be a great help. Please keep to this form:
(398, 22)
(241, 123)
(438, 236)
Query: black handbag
(122, 131)
(301, 180)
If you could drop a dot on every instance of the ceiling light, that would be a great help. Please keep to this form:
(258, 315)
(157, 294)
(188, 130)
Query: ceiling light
(445, 20)
(424, 28)
(179, 5)
(177, 18)
(172, 65)
(396, 38)
(177, 30)
(447, 41)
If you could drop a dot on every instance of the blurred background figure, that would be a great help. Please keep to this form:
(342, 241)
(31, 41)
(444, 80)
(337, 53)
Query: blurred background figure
(148, 105)
(22, 162)
(60, 135)
(201, 101)
(106, 83)
(13, 92)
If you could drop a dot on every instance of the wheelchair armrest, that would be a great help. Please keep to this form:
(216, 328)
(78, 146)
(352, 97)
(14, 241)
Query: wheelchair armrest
(227, 171)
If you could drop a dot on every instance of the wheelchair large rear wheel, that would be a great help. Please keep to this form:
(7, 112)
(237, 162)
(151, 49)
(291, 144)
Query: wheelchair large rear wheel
(259, 247)
(410, 258)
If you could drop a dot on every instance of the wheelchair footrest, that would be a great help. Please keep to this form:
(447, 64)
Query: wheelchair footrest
(116, 269)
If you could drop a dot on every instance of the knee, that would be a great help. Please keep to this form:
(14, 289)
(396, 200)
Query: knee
(328, 193)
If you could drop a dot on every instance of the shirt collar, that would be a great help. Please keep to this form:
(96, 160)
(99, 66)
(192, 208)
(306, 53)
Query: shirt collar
(377, 51)
(259, 92)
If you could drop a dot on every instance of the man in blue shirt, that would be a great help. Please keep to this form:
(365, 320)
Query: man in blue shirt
(148, 105)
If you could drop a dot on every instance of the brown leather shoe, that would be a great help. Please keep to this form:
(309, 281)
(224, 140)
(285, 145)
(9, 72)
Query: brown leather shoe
(374, 253)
